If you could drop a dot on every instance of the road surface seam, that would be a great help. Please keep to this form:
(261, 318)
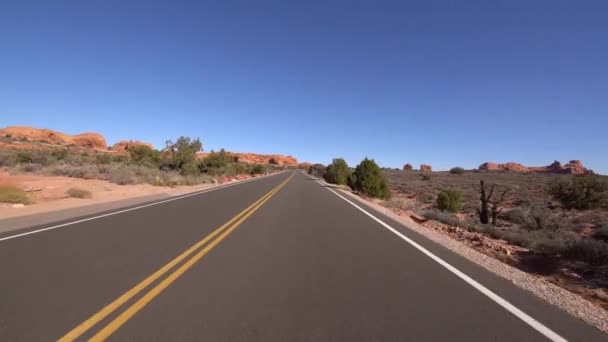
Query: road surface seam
(130, 209)
(138, 305)
(544, 330)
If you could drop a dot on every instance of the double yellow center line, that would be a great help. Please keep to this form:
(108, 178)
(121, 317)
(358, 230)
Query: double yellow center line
(115, 324)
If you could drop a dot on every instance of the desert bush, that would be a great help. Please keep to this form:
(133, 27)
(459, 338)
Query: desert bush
(449, 200)
(316, 170)
(23, 157)
(592, 252)
(119, 159)
(78, 193)
(457, 170)
(425, 177)
(13, 194)
(103, 159)
(337, 172)
(217, 163)
(369, 180)
(516, 215)
(258, 169)
(34, 167)
(60, 154)
(581, 192)
(123, 176)
(182, 154)
(144, 155)
(85, 172)
(443, 217)
(7, 158)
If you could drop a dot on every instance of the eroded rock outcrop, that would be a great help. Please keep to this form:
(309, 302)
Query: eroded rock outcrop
(425, 167)
(408, 167)
(125, 145)
(574, 167)
(22, 133)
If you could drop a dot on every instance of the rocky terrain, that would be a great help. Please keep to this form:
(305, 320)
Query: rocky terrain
(574, 167)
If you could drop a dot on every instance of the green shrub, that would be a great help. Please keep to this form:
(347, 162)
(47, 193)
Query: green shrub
(581, 192)
(337, 172)
(60, 154)
(369, 180)
(182, 154)
(103, 159)
(24, 157)
(144, 155)
(78, 193)
(119, 158)
(316, 170)
(217, 163)
(592, 252)
(13, 194)
(449, 200)
(258, 169)
(457, 170)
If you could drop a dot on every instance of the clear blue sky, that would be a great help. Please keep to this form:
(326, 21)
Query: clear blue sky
(440, 82)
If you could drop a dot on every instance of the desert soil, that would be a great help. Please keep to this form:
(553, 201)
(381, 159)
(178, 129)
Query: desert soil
(48, 193)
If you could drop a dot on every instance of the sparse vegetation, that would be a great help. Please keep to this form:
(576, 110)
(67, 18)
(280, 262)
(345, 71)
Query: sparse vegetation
(457, 170)
(602, 232)
(444, 217)
(369, 180)
(175, 165)
(13, 194)
(316, 170)
(337, 172)
(581, 192)
(78, 193)
(449, 200)
(591, 252)
(258, 169)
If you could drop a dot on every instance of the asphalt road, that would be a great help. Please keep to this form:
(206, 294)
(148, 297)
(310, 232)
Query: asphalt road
(294, 263)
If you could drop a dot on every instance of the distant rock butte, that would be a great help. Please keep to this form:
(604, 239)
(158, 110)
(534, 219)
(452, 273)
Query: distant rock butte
(253, 158)
(574, 167)
(424, 167)
(87, 140)
(21, 137)
(125, 145)
(408, 167)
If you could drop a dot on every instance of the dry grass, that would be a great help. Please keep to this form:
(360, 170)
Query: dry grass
(78, 193)
(13, 194)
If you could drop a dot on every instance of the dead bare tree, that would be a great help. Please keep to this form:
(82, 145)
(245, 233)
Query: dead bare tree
(484, 211)
(496, 210)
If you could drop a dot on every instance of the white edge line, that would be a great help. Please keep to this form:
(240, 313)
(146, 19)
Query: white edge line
(550, 334)
(134, 208)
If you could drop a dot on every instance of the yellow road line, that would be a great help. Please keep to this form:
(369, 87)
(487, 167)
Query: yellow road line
(148, 297)
(108, 309)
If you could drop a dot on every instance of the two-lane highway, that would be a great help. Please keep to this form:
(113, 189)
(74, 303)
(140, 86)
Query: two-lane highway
(281, 258)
